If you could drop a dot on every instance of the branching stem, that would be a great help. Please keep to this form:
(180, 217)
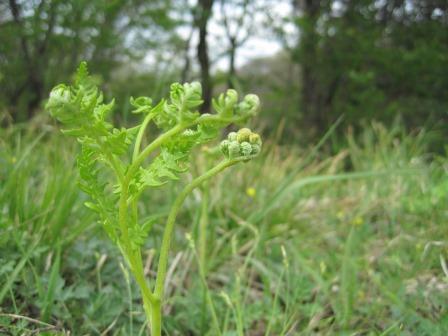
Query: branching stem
(139, 138)
(167, 235)
(152, 301)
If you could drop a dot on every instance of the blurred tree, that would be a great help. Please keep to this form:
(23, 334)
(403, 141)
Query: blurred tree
(307, 56)
(203, 14)
(372, 59)
(41, 42)
(366, 59)
(237, 18)
(276, 80)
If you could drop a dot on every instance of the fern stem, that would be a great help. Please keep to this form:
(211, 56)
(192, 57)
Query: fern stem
(167, 235)
(156, 319)
(139, 138)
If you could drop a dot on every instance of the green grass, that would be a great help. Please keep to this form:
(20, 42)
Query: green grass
(350, 243)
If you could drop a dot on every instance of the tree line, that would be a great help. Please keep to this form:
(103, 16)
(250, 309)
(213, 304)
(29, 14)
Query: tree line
(364, 59)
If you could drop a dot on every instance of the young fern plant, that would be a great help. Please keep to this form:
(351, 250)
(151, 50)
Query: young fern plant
(81, 110)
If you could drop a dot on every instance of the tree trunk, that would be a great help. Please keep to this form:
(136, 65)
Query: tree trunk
(34, 63)
(308, 53)
(205, 10)
(232, 69)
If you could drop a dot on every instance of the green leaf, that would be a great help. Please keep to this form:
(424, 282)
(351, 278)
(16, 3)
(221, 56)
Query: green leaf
(150, 178)
(225, 104)
(182, 107)
(82, 74)
(141, 104)
(118, 141)
(138, 234)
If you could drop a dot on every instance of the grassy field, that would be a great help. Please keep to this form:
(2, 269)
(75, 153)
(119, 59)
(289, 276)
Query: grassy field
(346, 238)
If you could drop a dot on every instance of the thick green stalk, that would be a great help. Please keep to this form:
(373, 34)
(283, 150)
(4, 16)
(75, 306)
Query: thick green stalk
(123, 202)
(156, 319)
(135, 261)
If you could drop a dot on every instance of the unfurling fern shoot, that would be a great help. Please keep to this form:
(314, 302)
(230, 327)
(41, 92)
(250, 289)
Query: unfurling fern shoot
(81, 110)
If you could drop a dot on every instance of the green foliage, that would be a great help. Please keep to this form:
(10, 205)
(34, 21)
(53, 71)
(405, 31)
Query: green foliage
(361, 232)
(372, 61)
(41, 43)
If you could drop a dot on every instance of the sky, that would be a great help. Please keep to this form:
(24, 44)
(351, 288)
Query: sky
(261, 42)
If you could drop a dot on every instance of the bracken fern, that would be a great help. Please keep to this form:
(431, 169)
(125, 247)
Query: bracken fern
(80, 108)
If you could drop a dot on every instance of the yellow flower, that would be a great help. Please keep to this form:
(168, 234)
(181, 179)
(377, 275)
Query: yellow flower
(251, 192)
(357, 221)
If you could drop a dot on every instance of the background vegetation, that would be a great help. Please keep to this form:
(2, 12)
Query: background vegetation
(338, 229)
